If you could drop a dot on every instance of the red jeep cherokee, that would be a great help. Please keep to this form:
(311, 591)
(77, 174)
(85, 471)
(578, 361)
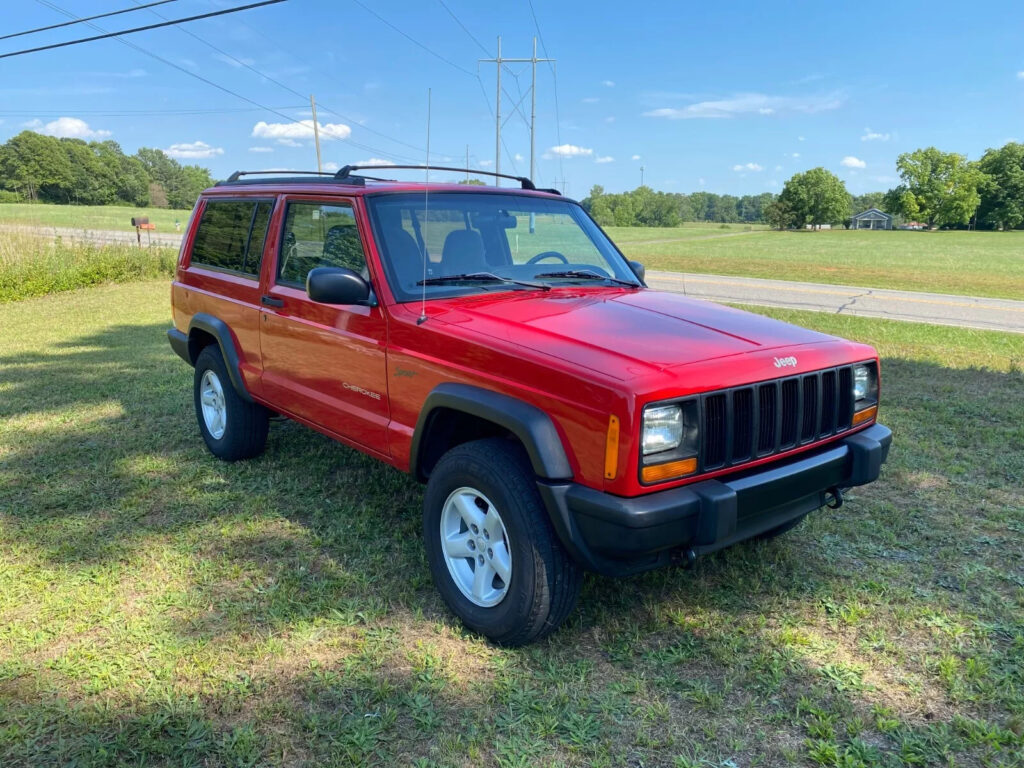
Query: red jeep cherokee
(495, 344)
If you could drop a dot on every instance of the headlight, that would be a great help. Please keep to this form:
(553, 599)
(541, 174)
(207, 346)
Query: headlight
(861, 382)
(663, 429)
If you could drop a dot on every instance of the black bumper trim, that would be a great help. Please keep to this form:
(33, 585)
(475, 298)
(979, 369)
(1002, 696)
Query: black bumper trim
(616, 536)
(179, 343)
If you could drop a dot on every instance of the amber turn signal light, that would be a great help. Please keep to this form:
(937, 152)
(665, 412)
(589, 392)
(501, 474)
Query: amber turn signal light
(866, 415)
(611, 449)
(668, 471)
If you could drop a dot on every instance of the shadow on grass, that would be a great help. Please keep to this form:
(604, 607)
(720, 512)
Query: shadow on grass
(105, 472)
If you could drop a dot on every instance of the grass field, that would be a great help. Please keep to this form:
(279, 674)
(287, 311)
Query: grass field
(89, 216)
(971, 263)
(158, 607)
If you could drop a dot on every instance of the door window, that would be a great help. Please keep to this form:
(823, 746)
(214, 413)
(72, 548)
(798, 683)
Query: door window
(319, 235)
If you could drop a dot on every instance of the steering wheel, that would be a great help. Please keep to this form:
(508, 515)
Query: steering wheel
(548, 255)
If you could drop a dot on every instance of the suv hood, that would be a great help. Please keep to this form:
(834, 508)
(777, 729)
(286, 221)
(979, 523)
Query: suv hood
(622, 333)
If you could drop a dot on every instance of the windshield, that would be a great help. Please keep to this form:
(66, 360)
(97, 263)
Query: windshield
(514, 237)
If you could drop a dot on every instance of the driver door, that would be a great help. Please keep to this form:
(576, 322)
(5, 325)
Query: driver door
(324, 364)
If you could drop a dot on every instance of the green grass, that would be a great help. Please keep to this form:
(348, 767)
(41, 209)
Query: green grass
(971, 263)
(35, 266)
(89, 216)
(689, 231)
(158, 607)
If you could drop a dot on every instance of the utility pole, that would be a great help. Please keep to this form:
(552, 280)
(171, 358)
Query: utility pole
(641, 175)
(316, 134)
(467, 163)
(533, 109)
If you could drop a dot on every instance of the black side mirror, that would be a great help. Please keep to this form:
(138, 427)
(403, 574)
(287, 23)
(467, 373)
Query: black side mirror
(638, 270)
(337, 285)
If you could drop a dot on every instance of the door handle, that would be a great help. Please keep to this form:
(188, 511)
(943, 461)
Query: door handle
(270, 301)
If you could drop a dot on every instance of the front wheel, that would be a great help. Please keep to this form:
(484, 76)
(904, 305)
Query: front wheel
(494, 557)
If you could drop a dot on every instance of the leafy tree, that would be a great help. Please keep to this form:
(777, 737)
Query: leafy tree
(814, 197)
(1002, 189)
(779, 215)
(37, 167)
(869, 200)
(939, 187)
(473, 182)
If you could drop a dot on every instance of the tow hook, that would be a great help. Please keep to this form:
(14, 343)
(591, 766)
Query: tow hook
(834, 498)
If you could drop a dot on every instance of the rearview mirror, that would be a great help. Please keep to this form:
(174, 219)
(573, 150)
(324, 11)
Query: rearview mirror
(638, 270)
(337, 285)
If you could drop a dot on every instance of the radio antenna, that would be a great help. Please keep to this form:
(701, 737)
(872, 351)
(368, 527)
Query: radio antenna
(426, 222)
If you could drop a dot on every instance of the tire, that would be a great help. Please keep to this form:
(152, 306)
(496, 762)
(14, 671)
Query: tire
(774, 533)
(494, 476)
(240, 432)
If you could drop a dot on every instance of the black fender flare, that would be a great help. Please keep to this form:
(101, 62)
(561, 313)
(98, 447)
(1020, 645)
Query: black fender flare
(530, 424)
(220, 331)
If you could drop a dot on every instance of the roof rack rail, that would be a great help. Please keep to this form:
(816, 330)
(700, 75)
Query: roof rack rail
(346, 171)
(236, 177)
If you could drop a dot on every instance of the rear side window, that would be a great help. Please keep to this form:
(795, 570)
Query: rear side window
(231, 235)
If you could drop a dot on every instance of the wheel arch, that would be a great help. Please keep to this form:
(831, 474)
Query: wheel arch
(457, 413)
(204, 330)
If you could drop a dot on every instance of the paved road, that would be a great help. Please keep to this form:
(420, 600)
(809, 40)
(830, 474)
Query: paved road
(100, 236)
(935, 308)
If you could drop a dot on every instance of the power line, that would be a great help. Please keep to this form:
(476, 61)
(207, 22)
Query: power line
(554, 75)
(139, 29)
(294, 92)
(87, 18)
(207, 81)
(140, 112)
(458, 21)
(412, 40)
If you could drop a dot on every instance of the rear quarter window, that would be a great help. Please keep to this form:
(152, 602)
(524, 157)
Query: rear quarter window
(231, 234)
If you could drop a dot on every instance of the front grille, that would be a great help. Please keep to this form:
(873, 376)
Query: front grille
(745, 423)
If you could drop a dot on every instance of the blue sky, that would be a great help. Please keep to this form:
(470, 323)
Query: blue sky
(728, 97)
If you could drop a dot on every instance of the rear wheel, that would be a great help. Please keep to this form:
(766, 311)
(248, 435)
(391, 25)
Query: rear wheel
(232, 428)
(494, 557)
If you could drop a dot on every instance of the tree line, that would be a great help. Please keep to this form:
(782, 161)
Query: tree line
(937, 189)
(34, 167)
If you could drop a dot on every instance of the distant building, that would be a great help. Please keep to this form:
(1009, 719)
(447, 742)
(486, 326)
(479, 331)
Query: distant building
(872, 218)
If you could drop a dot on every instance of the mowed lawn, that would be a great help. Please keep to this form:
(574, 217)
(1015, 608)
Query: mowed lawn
(158, 607)
(89, 216)
(969, 263)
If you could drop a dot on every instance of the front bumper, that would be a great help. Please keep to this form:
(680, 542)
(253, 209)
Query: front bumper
(616, 536)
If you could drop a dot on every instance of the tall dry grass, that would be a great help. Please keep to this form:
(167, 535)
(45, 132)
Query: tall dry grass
(34, 265)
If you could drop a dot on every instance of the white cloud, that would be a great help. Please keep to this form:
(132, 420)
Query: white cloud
(778, 167)
(795, 155)
(591, 100)
(800, 138)
(289, 143)
(285, 132)
(700, 182)
(374, 161)
(261, 149)
(853, 162)
(870, 135)
(571, 150)
(66, 128)
(519, 158)
(748, 167)
(748, 104)
(635, 157)
(197, 150)
(605, 159)
(485, 163)
(331, 166)
(608, 83)
(1020, 75)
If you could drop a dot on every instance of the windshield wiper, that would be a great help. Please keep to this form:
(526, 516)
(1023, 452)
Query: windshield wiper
(480, 277)
(588, 274)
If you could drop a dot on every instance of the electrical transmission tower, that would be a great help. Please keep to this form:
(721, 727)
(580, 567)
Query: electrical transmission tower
(533, 104)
